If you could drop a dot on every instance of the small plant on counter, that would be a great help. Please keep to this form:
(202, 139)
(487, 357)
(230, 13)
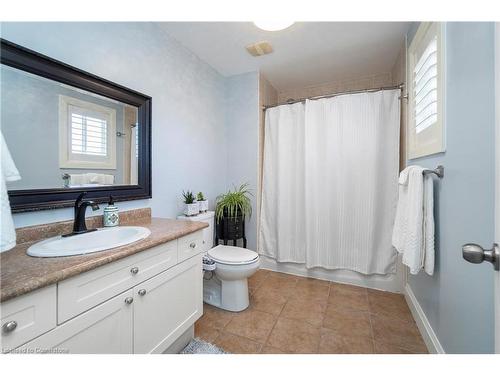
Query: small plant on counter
(202, 202)
(191, 206)
(188, 197)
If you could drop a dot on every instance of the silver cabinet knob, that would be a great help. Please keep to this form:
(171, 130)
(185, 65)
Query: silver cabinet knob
(129, 300)
(474, 253)
(141, 292)
(192, 245)
(9, 326)
(134, 270)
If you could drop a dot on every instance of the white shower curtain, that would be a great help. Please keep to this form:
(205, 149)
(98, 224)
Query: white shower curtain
(330, 182)
(282, 230)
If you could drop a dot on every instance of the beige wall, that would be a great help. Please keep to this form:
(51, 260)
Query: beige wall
(360, 83)
(399, 76)
(268, 95)
(396, 76)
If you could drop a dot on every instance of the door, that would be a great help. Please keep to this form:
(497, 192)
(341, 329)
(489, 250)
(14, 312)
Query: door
(497, 181)
(166, 305)
(105, 329)
(473, 252)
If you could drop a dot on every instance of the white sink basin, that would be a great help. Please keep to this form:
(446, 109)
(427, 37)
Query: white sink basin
(100, 240)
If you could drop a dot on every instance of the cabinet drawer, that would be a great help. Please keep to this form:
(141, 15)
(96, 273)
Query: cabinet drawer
(28, 316)
(190, 245)
(105, 329)
(82, 292)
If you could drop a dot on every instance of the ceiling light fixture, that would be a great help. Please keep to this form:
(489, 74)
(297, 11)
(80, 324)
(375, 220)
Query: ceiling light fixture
(273, 25)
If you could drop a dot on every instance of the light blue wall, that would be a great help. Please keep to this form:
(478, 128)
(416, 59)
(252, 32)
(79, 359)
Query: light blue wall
(242, 134)
(458, 299)
(189, 103)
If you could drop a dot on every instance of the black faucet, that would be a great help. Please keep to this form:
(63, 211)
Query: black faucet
(79, 225)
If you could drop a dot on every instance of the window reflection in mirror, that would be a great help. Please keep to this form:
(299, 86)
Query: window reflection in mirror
(63, 137)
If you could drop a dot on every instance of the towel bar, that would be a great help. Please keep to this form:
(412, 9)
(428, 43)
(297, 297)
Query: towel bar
(439, 171)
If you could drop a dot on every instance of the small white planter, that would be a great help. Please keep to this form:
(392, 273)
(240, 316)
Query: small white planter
(203, 205)
(192, 209)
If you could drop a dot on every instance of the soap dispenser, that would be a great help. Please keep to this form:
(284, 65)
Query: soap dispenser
(111, 218)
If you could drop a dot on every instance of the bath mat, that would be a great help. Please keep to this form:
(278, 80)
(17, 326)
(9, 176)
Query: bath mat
(198, 346)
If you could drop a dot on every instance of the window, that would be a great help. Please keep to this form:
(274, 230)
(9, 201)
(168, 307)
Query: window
(86, 135)
(426, 91)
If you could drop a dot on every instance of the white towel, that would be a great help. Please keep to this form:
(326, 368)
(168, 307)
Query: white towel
(77, 179)
(83, 179)
(101, 179)
(428, 225)
(8, 172)
(413, 233)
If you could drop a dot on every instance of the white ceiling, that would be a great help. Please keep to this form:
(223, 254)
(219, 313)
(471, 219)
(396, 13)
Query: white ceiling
(307, 53)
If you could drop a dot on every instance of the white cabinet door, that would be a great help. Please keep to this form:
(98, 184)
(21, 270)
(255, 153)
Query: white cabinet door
(208, 237)
(166, 305)
(189, 246)
(107, 328)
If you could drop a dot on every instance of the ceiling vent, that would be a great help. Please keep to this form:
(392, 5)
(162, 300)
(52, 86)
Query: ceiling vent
(259, 48)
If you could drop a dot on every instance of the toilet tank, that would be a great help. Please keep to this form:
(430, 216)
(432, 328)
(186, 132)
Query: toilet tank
(208, 233)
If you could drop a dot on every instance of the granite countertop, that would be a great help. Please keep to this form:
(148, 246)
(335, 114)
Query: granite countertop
(20, 273)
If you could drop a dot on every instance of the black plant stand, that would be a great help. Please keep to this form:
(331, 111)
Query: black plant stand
(231, 229)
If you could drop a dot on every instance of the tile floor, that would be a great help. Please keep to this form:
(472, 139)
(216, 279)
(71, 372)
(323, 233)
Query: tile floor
(291, 314)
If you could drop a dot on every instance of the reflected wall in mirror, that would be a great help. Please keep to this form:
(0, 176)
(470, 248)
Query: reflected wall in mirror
(63, 137)
(69, 131)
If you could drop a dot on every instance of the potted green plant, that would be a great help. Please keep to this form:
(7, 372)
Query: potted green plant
(231, 210)
(191, 206)
(202, 202)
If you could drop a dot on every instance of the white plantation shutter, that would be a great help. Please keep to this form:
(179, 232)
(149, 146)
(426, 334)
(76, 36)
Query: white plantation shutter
(425, 87)
(88, 135)
(426, 91)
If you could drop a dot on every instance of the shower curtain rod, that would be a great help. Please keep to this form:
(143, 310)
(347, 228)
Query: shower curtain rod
(400, 86)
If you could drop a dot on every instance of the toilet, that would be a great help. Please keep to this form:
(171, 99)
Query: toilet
(228, 288)
(225, 287)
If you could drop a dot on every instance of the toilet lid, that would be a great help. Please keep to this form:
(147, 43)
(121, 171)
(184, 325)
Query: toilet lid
(232, 255)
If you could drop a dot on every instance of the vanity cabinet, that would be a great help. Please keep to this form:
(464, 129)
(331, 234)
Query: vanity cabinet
(139, 304)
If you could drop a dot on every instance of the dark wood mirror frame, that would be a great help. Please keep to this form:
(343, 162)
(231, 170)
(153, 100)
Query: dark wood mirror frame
(33, 62)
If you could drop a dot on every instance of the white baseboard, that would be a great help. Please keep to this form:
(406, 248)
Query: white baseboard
(430, 338)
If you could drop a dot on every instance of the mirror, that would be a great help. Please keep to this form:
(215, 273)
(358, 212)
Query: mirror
(63, 137)
(69, 131)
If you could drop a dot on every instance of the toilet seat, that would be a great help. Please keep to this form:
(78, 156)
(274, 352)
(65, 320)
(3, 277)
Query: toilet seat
(232, 255)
